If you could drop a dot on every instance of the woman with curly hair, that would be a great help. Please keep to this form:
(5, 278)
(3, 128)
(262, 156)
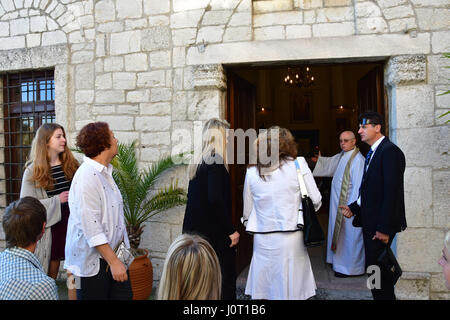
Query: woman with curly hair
(280, 268)
(96, 224)
(47, 177)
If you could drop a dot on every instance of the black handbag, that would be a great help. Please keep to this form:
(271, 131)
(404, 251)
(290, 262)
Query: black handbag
(313, 235)
(389, 264)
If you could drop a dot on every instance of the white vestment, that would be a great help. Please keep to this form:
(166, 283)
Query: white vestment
(349, 256)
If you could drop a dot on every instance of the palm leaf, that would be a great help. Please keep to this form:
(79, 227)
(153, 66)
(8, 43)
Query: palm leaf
(135, 186)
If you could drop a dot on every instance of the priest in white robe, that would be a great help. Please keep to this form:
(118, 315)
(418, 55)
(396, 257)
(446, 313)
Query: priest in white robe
(345, 247)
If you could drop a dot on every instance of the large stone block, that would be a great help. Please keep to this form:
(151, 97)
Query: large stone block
(209, 76)
(183, 5)
(433, 18)
(425, 147)
(153, 124)
(136, 62)
(125, 42)
(414, 106)
(440, 42)
(84, 76)
(406, 69)
(155, 109)
(441, 196)
(237, 34)
(418, 197)
(269, 33)
(187, 19)
(277, 18)
(333, 29)
(156, 7)
(419, 249)
(105, 11)
(155, 139)
(216, 17)
(129, 9)
(151, 79)
(160, 59)
(204, 105)
(372, 25)
(334, 14)
(118, 122)
(272, 6)
(156, 237)
(110, 96)
(184, 37)
(124, 80)
(210, 34)
(438, 73)
(413, 286)
(53, 37)
(156, 38)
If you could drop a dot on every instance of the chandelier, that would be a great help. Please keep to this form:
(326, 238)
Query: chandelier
(299, 77)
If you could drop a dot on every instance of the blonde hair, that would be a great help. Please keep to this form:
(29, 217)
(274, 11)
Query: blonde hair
(213, 143)
(191, 271)
(41, 162)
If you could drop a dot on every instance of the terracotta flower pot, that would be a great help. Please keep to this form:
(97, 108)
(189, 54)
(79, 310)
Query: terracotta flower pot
(141, 276)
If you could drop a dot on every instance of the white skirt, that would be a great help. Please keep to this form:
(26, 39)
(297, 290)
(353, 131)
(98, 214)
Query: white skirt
(280, 268)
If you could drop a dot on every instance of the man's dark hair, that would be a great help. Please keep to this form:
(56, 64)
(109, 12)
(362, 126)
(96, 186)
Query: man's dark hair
(22, 222)
(374, 117)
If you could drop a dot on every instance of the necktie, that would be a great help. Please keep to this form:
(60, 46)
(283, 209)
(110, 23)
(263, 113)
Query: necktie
(369, 154)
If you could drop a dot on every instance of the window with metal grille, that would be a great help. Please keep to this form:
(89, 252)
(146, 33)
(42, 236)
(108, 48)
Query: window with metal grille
(28, 102)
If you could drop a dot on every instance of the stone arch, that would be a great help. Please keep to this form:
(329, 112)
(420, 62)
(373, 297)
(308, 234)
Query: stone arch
(32, 23)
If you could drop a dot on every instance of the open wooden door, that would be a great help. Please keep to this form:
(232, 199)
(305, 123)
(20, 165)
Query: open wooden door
(371, 97)
(241, 98)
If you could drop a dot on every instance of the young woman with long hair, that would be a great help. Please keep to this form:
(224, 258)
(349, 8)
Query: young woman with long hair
(47, 177)
(208, 208)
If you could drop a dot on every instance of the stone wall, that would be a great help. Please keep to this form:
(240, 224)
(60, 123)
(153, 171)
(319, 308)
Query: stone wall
(151, 68)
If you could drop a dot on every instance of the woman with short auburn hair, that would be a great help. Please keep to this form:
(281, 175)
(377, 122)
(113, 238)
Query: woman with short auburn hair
(97, 224)
(191, 271)
(280, 268)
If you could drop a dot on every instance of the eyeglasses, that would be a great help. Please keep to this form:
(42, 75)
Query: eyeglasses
(346, 140)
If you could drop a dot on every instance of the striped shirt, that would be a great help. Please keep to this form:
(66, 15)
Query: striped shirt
(61, 184)
(22, 277)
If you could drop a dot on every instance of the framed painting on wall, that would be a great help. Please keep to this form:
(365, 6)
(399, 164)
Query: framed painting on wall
(301, 106)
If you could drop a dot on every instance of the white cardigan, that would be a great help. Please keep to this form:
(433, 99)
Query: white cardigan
(273, 205)
(53, 207)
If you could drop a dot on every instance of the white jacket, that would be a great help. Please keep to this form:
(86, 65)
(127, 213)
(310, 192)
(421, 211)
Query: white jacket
(273, 205)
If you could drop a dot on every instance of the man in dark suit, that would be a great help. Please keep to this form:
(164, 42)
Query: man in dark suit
(380, 208)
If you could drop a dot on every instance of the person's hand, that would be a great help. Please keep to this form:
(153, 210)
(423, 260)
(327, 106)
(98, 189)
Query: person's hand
(346, 211)
(118, 271)
(64, 196)
(381, 236)
(234, 239)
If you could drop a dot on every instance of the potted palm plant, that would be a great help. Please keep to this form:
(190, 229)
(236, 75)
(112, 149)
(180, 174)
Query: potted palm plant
(141, 202)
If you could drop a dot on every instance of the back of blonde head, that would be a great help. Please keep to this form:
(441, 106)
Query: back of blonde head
(191, 271)
(213, 145)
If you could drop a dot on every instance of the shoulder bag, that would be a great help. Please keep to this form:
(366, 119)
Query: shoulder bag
(312, 231)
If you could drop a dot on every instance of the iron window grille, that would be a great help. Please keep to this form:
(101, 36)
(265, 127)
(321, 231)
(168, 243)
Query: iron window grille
(28, 102)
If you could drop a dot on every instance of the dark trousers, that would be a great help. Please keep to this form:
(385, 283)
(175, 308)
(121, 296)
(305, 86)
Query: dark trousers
(227, 259)
(103, 287)
(373, 249)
